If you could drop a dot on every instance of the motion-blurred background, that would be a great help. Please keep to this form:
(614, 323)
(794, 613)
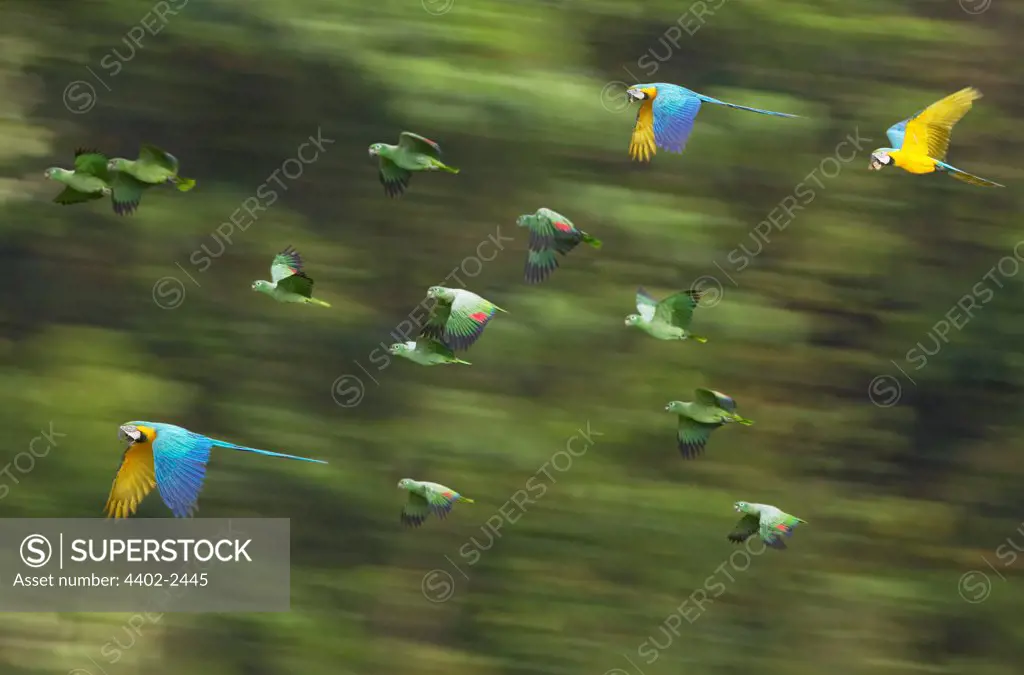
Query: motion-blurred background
(827, 287)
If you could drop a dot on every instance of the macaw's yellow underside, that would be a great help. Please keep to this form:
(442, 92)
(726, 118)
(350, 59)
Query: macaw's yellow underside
(913, 163)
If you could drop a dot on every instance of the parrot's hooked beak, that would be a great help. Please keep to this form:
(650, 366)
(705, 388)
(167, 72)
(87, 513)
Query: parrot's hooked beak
(130, 434)
(633, 95)
(878, 160)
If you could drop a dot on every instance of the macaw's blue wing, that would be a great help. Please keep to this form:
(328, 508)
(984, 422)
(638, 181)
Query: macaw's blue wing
(674, 113)
(180, 458)
(896, 133)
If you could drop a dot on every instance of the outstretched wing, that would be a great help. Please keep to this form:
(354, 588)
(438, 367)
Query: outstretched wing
(411, 142)
(180, 458)
(134, 480)
(92, 162)
(715, 399)
(641, 143)
(415, 511)
(286, 263)
(548, 233)
(540, 264)
(127, 193)
(645, 304)
(394, 178)
(693, 436)
(777, 527)
(69, 195)
(441, 500)
(470, 314)
(154, 156)
(677, 309)
(747, 526)
(299, 284)
(928, 132)
(675, 110)
(427, 345)
(434, 328)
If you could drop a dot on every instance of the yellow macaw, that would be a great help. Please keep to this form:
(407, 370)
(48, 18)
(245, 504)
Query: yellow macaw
(920, 142)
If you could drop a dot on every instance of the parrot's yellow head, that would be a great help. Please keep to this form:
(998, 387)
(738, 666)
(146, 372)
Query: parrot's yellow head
(880, 158)
(639, 92)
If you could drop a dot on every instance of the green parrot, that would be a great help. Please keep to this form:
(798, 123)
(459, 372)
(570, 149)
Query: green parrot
(290, 283)
(397, 162)
(764, 520)
(697, 419)
(89, 179)
(426, 352)
(550, 233)
(668, 319)
(458, 317)
(426, 498)
(153, 167)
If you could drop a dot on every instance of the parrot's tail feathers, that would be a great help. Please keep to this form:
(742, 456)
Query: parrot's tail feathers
(444, 167)
(499, 309)
(974, 180)
(593, 241)
(465, 499)
(467, 363)
(744, 421)
(267, 453)
(697, 338)
(184, 184)
(317, 301)
(748, 109)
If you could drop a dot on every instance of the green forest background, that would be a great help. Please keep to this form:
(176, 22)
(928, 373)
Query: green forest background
(870, 323)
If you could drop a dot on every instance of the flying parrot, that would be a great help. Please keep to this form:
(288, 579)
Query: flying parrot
(550, 233)
(171, 459)
(290, 283)
(766, 521)
(668, 319)
(458, 317)
(426, 352)
(397, 162)
(697, 419)
(666, 115)
(89, 179)
(920, 142)
(153, 167)
(426, 498)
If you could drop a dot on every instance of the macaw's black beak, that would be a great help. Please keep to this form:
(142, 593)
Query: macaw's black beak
(130, 434)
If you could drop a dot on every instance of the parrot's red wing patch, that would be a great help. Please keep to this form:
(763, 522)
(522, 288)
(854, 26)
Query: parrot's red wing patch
(564, 227)
(479, 317)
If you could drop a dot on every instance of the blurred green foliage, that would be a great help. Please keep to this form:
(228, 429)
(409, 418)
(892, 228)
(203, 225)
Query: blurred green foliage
(902, 500)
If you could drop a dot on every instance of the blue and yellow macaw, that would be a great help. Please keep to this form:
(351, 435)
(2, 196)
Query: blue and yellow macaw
(920, 142)
(169, 458)
(666, 115)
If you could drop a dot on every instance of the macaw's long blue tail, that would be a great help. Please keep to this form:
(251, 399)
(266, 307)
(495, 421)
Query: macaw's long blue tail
(708, 99)
(966, 177)
(225, 444)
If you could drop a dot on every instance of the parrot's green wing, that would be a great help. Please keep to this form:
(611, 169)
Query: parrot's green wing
(286, 263)
(69, 195)
(127, 192)
(715, 399)
(677, 309)
(93, 163)
(441, 503)
(151, 155)
(693, 436)
(299, 284)
(411, 142)
(432, 346)
(542, 231)
(540, 264)
(468, 317)
(436, 322)
(745, 528)
(394, 178)
(415, 510)
(645, 304)
(776, 528)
